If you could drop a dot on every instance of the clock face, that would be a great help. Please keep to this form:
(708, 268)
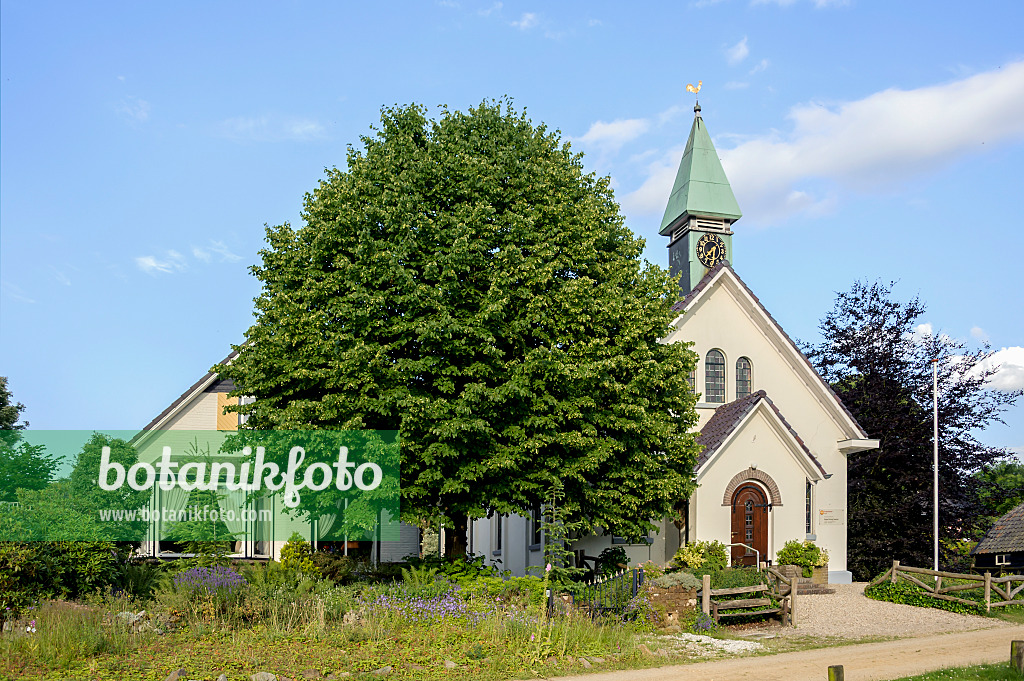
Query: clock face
(710, 250)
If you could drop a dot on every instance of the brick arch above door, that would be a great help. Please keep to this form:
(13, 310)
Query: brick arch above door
(752, 474)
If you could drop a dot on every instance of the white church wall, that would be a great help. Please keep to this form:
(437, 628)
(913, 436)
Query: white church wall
(720, 321)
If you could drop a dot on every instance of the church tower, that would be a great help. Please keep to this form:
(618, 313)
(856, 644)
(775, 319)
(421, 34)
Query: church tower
(700, 211)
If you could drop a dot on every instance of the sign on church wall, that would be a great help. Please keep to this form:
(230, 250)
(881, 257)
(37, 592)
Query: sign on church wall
(832, 516)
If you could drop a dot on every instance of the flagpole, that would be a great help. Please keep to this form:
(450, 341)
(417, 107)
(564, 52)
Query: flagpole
(935, 457)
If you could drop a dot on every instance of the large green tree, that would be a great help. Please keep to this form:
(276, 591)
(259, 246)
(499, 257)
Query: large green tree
(465, 282)
(879, 360)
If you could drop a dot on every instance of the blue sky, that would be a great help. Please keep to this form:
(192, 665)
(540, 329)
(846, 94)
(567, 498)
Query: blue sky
(143, 146)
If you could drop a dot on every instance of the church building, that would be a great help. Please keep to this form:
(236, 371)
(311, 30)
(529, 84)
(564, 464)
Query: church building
(776, 437)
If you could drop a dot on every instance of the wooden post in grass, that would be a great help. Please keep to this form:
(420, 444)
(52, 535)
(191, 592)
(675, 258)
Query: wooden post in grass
(835, 673)
(792, 602)
(705, 595)
(895, 567)
(988, 592)
(1017, 656)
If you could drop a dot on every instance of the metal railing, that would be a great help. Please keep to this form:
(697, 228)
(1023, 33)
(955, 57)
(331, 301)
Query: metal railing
(757, 562)
(611, 595)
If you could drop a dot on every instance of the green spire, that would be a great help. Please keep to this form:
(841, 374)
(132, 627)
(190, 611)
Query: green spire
(701, 187)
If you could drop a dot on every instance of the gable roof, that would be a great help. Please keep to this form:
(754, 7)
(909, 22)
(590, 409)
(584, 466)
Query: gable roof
(701, 187)
(196, 388)
(728, 418)
(722, 270)
(1006, 536)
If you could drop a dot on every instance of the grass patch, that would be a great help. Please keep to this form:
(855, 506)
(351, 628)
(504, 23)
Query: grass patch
(981, 672)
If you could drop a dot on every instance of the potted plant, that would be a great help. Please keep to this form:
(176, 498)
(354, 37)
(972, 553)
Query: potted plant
(807, 559)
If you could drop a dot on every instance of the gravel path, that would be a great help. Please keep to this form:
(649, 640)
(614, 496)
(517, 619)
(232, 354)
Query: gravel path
(848, 613)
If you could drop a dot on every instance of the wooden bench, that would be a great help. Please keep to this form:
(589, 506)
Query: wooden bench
(757, 604)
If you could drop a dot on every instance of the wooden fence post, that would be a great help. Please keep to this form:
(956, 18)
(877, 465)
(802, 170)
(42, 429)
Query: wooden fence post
(1017, 656)
(705, 595)
(895, 567)
(988, 591)
(792, 602)
(835, 673)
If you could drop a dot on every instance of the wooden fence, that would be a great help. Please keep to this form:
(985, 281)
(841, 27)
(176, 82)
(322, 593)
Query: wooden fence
(997, 592)
(778, 586)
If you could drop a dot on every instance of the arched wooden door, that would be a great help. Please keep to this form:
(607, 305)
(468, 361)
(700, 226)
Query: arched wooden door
(749, 524)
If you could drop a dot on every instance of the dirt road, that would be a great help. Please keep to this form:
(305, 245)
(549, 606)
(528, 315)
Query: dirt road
(864, 662)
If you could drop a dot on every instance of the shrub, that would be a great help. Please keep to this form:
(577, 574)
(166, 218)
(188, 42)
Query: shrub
(911, 594)
(805, 554)
(611, 560)
(706, 555)
(337, 568)
(652, 570)
(297, 554)
(30, 571)
(683, 579)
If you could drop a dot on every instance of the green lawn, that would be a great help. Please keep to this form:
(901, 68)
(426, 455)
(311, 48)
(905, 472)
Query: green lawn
(982, 672)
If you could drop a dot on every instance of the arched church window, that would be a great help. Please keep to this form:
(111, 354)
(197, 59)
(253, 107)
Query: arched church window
(743, 377)
(714, 377)
(692, 380)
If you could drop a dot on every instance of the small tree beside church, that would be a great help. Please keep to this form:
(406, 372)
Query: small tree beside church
(465, 282)
(880, 365)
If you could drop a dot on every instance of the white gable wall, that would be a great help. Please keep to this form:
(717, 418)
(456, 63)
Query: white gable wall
(724, 318)
(755, 444)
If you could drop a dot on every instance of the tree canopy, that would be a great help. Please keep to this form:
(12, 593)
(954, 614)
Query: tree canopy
(879, 362)
(22, 465)
(464, 282)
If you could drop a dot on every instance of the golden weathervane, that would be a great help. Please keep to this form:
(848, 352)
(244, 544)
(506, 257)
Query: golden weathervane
(694, 90)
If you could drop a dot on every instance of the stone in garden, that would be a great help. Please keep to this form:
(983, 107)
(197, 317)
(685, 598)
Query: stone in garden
(384, 671)
(222, 677)
(311, 674)
(644, 649)
(177, 675)
(448, 664)
(597, 660)
(586, 663)
(263, 676)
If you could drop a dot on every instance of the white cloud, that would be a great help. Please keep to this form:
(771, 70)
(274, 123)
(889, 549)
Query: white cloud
(872, 143)
(134, 109)
(611, 136)
(215, 248)
(1009, 363)
(738, 52)
(170, 263)
(271, 129)
(595, 22)
(978, 333)
(527, 21)
(761, 66)
(866, 145)
(225, 254)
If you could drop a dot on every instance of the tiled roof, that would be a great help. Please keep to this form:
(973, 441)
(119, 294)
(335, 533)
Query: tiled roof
(706, 281)
(1006, 536)
(729, 416)
(188, 393)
